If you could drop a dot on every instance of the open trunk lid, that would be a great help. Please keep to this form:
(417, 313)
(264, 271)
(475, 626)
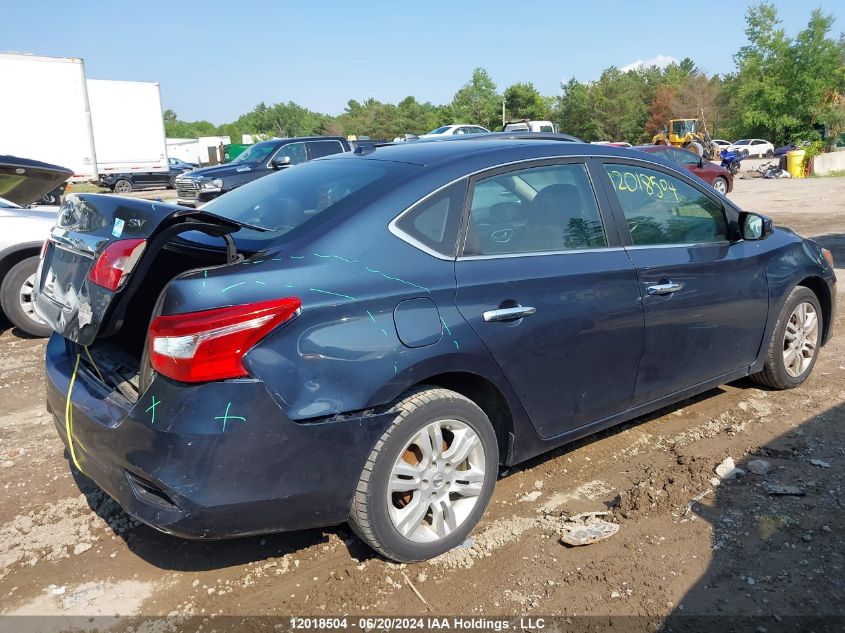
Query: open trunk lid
(100, 247)
(23, 181)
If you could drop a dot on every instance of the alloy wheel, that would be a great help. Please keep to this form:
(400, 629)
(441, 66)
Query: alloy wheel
(436, 480)
(720, 186)
(25, 298)
(800, 339)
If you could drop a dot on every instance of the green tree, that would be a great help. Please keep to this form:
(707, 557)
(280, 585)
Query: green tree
(477, 102)
(780, 83)
(575, 113)
(523, 101)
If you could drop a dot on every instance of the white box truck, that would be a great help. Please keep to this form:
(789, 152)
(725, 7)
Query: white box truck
(128, 126)
(45, 114)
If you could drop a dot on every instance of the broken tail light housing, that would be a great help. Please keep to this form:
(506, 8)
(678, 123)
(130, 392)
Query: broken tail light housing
(210, 345)
(116, 262)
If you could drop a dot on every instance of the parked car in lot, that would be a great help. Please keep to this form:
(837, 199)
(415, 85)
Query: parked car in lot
(789, 147)
(371, 336)
(756, 147)
(178, 163)
(720, 143)
(201, 185)
(721, 179)
(455, 130)
(23, 230)
(133, 181)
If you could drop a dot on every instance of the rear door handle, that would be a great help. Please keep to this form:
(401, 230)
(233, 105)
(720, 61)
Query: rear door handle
(665, 288)
(508, 314)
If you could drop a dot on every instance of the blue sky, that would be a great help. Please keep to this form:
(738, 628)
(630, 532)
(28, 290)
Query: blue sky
(216, 60)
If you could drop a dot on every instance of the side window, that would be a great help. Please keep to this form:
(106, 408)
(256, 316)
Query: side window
(317, 149)
(542, 209)
(296, 151)
(435, 221)
(661, 209)
(683, 157)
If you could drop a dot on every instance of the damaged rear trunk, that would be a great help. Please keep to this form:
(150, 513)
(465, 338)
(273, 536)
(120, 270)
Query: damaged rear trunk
(103, 271)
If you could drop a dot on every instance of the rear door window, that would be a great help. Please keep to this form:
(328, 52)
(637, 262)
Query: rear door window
(662, 209)
(318, 149)
(542, 209)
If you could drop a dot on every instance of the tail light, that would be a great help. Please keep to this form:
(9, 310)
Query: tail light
(44, 248)
(116, 262)
(210, 345)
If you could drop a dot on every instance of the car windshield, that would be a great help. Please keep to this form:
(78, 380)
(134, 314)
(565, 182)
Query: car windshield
(5, 204)
(743, 141)
(682, 128)
(255, 154)
(288, 199)
(440, 130)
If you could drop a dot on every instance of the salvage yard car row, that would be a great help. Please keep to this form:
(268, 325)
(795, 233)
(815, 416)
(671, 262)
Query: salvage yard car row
(372, 335)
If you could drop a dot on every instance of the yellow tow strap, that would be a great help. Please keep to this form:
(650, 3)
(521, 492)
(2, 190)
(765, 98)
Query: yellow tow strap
(69, 416)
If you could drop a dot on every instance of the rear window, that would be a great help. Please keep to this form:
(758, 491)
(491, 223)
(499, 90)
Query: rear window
(289, 198)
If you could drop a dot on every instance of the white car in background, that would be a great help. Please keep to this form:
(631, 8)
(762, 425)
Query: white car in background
(455, 130)
(721, 143)
(756, 147)
(22, 233)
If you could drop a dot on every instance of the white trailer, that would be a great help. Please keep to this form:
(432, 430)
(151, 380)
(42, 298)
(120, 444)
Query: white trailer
(45, 114)
(128, 126)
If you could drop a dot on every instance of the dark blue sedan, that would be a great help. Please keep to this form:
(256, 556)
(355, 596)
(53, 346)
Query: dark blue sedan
(371, 336)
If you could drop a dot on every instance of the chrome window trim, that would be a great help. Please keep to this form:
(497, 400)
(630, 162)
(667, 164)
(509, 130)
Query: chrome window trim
(573, 251)
(640, 247)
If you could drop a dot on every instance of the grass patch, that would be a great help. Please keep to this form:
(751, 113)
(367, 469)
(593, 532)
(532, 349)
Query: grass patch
(85, 187)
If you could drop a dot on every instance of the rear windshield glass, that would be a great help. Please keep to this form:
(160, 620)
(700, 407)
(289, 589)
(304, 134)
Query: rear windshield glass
(289, 198)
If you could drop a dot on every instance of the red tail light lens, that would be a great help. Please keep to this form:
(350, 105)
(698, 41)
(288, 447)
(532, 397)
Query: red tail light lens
(44, 248)
(116, 262)
(210, 345)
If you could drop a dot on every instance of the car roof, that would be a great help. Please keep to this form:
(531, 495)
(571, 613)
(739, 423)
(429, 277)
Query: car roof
(496, 147)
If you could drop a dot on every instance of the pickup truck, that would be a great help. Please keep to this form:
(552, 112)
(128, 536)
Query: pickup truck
(525, 125)
(201, 185)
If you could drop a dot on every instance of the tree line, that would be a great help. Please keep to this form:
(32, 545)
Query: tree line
(782, 88)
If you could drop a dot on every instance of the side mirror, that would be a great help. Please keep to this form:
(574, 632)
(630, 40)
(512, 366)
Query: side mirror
(754, 227)
(281, 161)
(701, 161)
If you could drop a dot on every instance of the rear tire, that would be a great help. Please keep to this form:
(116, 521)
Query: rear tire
(422, 490)
(122, 186)
(769, 154)
(795, 338)
(16, 298)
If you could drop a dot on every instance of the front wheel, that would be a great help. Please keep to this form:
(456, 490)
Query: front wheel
(720, 185)
(795, 341)
(696, 147)
(429, 478)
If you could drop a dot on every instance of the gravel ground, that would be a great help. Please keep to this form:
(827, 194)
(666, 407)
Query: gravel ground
(687, 544)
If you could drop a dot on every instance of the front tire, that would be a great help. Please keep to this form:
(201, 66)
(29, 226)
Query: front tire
(429, 478)
(16, 298)
(769, 154)
(794, 346)
(720, 185)
(696, 147)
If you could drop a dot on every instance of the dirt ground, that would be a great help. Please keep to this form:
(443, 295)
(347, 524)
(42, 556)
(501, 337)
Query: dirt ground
(67, 550)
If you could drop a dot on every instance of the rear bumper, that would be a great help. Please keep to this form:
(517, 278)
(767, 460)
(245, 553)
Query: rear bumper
(198, 470)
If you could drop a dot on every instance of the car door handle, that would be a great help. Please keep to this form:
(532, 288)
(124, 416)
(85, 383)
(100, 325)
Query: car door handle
(508, 314)
(665, 288)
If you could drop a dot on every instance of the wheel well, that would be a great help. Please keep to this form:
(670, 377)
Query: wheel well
(10, 259)
(489, 399)
(820, 289)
